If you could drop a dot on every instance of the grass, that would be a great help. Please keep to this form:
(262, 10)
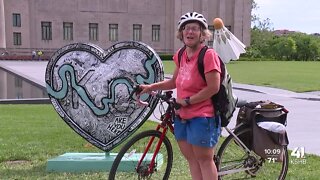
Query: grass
(297, 76)
(32, 134)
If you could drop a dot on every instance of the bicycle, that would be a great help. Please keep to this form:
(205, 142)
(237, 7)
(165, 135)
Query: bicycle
(149, 154)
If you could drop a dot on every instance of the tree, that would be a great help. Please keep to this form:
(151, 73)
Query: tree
(260, 41)
(307, 47)
(282, 47)
(257, 22)
(264, 43)
(260, 34)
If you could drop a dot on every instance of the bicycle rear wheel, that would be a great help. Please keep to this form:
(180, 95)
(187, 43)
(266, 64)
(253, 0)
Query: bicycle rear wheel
(125, 166)
(231, 157)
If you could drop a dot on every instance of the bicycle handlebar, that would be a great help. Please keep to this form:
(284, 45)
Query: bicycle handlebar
(241, 102)
(167, 97)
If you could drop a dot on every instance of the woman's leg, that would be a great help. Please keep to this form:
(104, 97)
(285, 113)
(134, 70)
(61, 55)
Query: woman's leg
(188, 152)
(180, 132)
(200, 161)
(196, 139)
(204, 157)
(203, 135)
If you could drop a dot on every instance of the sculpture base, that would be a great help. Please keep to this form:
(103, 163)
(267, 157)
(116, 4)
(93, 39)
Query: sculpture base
(94, 162)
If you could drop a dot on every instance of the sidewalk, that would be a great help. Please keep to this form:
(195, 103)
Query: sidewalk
(303, 120)
(313, 96)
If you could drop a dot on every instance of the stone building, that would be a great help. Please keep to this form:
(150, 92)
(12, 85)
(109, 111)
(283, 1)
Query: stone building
(46, 25)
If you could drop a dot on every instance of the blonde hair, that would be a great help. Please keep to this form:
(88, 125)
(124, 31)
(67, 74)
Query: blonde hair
(205, 34)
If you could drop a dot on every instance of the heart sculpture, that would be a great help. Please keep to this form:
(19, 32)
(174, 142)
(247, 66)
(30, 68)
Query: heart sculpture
(89, 88)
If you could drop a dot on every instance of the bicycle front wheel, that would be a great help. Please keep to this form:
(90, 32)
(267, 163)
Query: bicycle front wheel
(126, 165)
(235, 163)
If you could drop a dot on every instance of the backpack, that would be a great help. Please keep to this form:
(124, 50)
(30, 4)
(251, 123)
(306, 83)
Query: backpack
(224, 101)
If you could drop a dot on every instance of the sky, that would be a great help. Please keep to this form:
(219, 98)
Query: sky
(294, 15)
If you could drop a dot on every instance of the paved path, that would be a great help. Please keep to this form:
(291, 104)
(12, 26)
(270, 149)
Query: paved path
(303, 118)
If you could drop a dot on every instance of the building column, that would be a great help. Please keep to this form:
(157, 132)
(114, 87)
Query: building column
(247, 24)
(205, 11)
(238, 21)
(222, 9)
(3, 84)
(242, 11)
(2, 26)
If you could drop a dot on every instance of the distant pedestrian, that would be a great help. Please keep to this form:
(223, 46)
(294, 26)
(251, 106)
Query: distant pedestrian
(5, 53)
(40, 53)
(34, 55)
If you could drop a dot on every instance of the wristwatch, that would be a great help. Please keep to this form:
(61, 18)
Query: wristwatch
(187, 100)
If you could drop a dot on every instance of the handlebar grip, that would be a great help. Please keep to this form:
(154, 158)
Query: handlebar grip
(143, 102)
(177, 106)
(241, 102)
(136, 90)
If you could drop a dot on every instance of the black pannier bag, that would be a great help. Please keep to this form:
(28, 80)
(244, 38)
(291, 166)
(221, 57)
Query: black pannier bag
(264, 142)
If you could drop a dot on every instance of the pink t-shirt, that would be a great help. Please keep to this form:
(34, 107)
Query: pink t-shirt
(190, 82)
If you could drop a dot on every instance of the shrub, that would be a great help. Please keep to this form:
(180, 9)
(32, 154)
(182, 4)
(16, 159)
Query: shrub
(166, 57)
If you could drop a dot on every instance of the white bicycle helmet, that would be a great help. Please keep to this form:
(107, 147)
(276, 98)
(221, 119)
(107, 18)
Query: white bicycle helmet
(193, 16)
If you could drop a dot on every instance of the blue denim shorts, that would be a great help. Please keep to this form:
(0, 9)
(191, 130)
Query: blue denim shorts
(199, 131)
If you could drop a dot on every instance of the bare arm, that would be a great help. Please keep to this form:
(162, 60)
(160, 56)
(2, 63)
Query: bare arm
(213, 85)
(163, 85)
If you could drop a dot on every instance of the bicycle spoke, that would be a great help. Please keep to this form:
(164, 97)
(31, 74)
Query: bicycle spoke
(126, 166)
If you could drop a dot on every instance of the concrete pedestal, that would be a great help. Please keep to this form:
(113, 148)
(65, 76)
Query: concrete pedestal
(84, 162)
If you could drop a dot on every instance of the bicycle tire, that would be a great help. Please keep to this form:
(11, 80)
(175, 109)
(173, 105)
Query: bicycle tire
(232, 156)
(135, 147)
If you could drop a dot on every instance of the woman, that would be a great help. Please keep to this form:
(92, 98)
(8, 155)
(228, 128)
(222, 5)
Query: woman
(195, 125)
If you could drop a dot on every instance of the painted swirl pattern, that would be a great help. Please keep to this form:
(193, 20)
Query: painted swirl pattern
(90, 87)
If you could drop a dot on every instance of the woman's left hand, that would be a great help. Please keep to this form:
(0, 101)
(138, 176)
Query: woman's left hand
(182, 102)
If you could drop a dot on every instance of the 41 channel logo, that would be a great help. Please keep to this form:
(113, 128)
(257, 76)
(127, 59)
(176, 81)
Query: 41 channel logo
(298, 156)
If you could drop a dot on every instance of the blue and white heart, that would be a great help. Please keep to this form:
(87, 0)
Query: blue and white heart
(89, 88)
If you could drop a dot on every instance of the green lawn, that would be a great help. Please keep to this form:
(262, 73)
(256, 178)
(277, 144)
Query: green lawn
(32, 134)
(296, 76)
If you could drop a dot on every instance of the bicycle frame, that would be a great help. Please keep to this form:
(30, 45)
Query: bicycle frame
(248, 151)
(166, 123)
(227, 162)
(237, 138)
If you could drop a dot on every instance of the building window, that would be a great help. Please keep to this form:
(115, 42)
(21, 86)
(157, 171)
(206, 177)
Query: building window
(137, 32)
(44, 94)
(210, 41)
(113, 32)
(46, 30)
(93, 31)
(16, 20)
(19, 95)
(68, 31)
(18, 82)
(17, 38)
(156, 33)
(18, 87)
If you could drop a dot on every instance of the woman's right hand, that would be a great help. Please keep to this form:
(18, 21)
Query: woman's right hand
(145, 88)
